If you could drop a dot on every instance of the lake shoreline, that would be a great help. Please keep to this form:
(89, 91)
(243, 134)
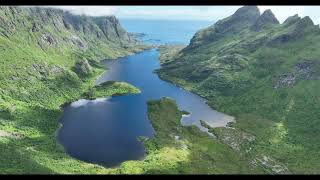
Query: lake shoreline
(171, 51)
(83, 96)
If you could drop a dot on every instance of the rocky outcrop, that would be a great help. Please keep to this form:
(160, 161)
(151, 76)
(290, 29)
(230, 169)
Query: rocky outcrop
(54, 26)
(291, 20)
(243, 17)
(304, 69)
(295, 28)
(249, 18)
(111, 28)
(46, 38)
(43, 71)
(5, 134)
(266, 20)
(285, 80)
(83, 68)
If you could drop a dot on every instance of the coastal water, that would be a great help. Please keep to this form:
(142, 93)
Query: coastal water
(164, 31)
(105, 131)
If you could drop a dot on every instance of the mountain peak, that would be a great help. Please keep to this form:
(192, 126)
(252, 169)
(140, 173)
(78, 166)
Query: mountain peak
(291, 20)
(247, 12)
(307, 20)
(269, 14)
(300, 23)
(266, 20)
(243, 18)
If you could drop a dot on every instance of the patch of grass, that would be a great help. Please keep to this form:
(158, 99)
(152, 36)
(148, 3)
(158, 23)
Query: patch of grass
(187, 149)
(111, 88)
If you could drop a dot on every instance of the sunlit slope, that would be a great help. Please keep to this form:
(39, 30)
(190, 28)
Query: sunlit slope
(47, 58)
(264, 73)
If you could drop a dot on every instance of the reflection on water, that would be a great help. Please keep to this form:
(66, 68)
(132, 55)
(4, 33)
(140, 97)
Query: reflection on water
(105, 131)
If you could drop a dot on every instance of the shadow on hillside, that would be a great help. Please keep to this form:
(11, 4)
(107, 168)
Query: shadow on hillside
(15, 160)
(39, 118)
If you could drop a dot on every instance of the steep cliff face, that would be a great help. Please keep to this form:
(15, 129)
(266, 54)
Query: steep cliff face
(266, 20)
(54, 39)
(241, 19)
(252, 67)
(49, 57)
(53, 27)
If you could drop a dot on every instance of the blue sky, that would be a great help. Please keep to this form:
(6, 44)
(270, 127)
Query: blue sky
(210, 13)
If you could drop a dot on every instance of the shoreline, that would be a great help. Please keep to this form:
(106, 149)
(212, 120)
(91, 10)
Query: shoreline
(93, 84)
(193, 92)
(82, 96)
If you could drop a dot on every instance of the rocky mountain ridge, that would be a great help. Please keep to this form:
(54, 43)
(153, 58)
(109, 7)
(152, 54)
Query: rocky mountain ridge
(264, 73)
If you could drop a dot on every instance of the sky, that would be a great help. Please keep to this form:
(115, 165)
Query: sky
(208, 13)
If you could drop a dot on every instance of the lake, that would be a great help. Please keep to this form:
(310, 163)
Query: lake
(105, 131)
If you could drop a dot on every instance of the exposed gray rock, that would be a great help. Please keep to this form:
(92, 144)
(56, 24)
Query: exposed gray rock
(271, 164)
(46, 38)
(39, 70)
(35, 28)
(234, 138)
(83, 67)
(296, 29)
(304, 70)
(285, 80)
(266, 20)
(291, 20)
(86, 28)
(78, 42)
(14, 78)
(243, 17)
(5, 134)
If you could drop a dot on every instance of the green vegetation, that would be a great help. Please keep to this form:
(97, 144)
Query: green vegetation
(177, 149)
(111, 88)
(35, 150)
(168, 51)
(266, 75)
(49, 58)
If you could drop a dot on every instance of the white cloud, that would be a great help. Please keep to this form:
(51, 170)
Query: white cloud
(89, 10)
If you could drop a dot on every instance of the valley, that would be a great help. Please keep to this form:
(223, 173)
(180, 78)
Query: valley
(87, 95)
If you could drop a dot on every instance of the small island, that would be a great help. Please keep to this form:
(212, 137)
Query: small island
(111, 88)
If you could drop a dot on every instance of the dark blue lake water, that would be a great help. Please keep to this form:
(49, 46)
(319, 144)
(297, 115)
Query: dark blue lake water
(105, 131)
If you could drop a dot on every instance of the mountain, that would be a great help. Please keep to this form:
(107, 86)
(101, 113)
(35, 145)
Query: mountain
(39, 43)
(49, 57)
(267, 19)
(267, 75)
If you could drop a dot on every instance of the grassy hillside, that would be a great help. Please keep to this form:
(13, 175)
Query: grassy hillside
(48, 58)
(265, 74)
(177, 149)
